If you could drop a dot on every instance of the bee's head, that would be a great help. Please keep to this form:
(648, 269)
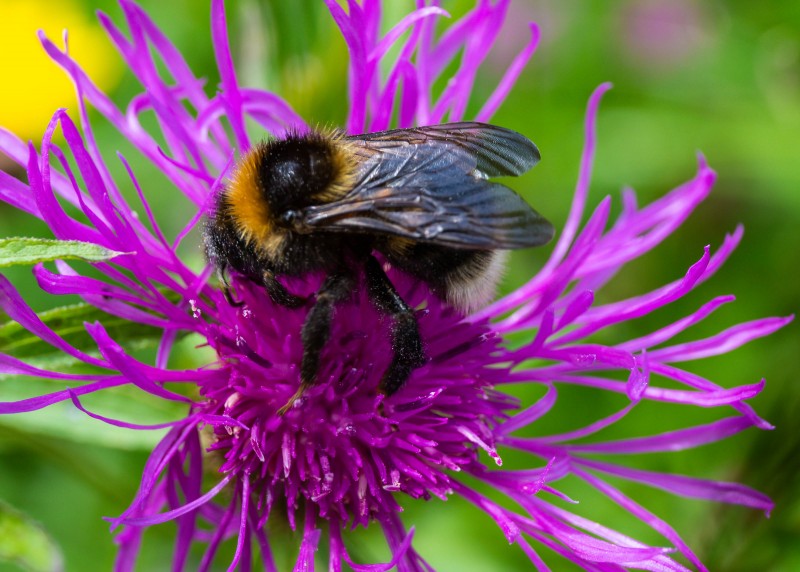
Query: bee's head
(275, 180)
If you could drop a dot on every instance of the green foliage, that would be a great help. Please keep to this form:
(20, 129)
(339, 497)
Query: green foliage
(27, 544)
(25, 251)
(68, 323)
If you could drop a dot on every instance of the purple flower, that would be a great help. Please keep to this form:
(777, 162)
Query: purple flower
(347, 456)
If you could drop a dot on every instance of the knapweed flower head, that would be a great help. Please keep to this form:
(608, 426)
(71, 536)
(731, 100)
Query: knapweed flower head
(347, 456)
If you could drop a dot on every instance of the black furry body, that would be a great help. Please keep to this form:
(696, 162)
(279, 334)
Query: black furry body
(347, 260)
(325, 203)
(303, 254)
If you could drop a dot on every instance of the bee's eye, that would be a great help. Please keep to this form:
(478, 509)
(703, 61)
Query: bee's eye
(289, 217)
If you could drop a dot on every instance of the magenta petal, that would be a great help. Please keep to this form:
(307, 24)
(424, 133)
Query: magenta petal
(643, 515)
(16, 193)
(230, 85)
(584, 176)
(359, 69)
(147, 497)
(109, 298)
(398, 553)
(528, 416)
(385, 43)
(52, 212)
(510, 77)
(672, 441)
(219, 535)
(602, 317)
(723, 342)
(242, 546)
(13, 305)
(681, 485)
(188, 507)
(675, 328)
(309, 544)
(42, 401)
(76, 402)
(589, 429)
(117, 357)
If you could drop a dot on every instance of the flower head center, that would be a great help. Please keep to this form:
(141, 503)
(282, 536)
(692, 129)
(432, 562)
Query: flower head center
(344, 445)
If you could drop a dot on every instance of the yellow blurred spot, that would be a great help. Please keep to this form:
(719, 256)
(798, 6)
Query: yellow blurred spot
(33, 86)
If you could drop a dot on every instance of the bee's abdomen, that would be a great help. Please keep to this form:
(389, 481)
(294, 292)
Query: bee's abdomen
(465, 279)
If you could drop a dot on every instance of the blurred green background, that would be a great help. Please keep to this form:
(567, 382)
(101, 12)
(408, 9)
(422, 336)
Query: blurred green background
(689, 75)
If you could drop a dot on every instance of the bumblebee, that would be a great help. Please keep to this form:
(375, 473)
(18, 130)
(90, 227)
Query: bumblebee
(323, 201)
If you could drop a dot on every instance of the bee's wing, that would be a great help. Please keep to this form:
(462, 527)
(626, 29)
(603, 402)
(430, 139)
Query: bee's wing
(496, 151)
(429, 184)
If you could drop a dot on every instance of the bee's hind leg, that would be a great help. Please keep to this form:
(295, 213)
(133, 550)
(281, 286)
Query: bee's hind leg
(406, 342)
(317, 328)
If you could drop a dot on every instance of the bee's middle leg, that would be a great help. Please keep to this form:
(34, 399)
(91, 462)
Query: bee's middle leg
(317, 328)
(406, 342)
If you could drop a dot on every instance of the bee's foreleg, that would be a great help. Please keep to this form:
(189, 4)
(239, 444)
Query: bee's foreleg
(317, 328)
(226, 291)
(226, 288)
(406, 342)
(278, 292)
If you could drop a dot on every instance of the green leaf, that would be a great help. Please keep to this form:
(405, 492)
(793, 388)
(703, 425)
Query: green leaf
(18, 250)
(126, 403)
(25, 543)
(67, 322)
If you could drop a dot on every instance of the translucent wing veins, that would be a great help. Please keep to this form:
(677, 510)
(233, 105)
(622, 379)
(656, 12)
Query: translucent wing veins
(429, 184)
